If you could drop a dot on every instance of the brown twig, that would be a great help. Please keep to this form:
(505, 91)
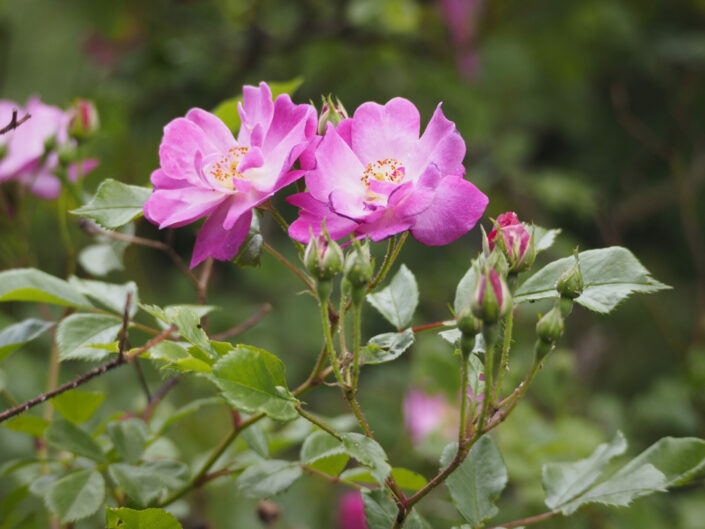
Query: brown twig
(242, 327)
(158, 397)
(93, 229)
(120, 360)
(14, 122)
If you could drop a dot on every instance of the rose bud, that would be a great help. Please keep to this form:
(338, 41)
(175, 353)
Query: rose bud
(323, 257)
(491, 298)
(515, 242)
(84, 121)
(570, 283)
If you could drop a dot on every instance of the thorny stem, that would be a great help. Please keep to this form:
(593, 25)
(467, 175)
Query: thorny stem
(328, 477)
(526, 521)
(341, 334)
(318, 422)
(126, 359)
(463, 397)
(489, 366)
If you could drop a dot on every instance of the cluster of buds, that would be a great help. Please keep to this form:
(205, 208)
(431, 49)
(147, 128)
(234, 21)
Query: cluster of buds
(331, 112)
(514, 241)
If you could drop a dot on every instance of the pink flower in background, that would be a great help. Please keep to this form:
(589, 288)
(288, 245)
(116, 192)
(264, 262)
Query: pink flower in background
(375, 176)
(351, 511)
(425, 414)
(461, 18)
(25, 157)
(205, 171)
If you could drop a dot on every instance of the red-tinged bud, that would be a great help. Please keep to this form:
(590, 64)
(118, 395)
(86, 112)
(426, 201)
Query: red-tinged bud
(84, 120)
(491, 298)
(331, 112)
(514, 240)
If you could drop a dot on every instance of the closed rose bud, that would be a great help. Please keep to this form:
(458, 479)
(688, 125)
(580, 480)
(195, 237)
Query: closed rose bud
(570, 283)
(468, 324)
(331, 112)
(359, 265)
(491, 298)
(514, 240)
(323, 257)
(84, 120)
(550, 327)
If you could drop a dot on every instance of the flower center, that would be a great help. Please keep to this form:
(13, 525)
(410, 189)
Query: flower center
(387, 170)
(225, 169)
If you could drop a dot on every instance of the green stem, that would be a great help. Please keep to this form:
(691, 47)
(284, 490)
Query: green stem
(290, 266)
(463, 398)
(506, 346)
(389, 258)
(318, 422)
(489, 367)
(285, 226)
(330, 348)
(357, 322)
(212, 459)
(341, 329)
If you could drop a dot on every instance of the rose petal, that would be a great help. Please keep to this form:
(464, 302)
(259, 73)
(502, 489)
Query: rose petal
(215, 241)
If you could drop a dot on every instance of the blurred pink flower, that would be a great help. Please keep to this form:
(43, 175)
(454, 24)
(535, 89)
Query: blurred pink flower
(26, 158)
(461, 18)
(351, 511)
(206, 172)
(375, 176)
(424, 414)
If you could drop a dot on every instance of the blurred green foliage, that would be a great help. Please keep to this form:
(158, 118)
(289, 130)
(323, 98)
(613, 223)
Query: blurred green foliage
(583, 114)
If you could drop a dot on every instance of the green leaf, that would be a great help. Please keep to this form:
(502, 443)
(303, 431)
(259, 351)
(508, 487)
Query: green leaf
(405, 478)
(188, 320)
(380, 509)
(29, 284)
(147, 483)
(621, 488)
(368, 452)
(66, 436)
(267, 478)
(256, 439)
(77, 406)
(129, 438)
(160, 426)
(324, 452)
(610, 276)
(227, 110)
(679, 459)
(76, 496)
(78, 334)
(416, 521)
(124, 518)
(108, 295)
(544, 238)
(564, 481)
(476, 380)
(463, 291)
(253, 380)
(477, 483)
(397, 302)
(387, 347)
(115, 204)
(18, 334)
(9, 504)
(29, 424)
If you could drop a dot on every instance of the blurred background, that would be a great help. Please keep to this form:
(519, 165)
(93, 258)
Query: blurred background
(582, 114)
